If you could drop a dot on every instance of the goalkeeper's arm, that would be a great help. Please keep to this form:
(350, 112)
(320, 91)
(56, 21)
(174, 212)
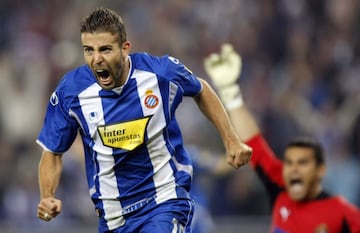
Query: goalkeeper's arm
(224, 70)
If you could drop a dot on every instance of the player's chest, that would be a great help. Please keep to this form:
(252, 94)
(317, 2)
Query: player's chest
(107, 108)
(293, 217)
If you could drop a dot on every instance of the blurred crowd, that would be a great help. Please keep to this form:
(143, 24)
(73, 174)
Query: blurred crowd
(301, 75)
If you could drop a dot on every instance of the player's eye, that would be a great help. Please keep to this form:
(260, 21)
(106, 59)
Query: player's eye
(304, 162)
(287, 162)
(88, 51)
(106, 50)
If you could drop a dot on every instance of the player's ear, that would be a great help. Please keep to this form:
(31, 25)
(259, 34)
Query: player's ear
(321, 171)
(126, 46)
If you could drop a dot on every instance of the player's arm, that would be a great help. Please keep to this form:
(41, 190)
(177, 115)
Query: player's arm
(50, 168)
(351, 221)
(264, 161)
(237, 153)
(224, 69)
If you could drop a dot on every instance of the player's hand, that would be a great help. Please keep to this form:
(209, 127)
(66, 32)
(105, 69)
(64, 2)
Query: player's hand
(224, 69)
(238, 154)
(48, 208)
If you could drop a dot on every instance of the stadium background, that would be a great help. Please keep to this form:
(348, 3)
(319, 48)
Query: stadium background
(301, 75)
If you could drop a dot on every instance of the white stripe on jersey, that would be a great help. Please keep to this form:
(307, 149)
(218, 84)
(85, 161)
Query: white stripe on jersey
(158, 152)
(92, 109)
(172, 93)
(182, 167)
(179, 166)
(148, 81)
(177, 227)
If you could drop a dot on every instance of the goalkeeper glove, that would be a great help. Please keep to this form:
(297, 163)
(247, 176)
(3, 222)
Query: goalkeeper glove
(224, 69)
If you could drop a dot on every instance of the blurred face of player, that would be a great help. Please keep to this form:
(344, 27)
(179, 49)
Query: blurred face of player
(301, 174)
(107, 58)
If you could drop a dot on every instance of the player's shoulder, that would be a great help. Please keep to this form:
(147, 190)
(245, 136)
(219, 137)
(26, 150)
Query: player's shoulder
(79, 73)
(341, 204)
(76, 79)
(342, 201)
(146, 61)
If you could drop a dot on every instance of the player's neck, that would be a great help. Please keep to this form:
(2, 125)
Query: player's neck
(125, 72)
(315, 192)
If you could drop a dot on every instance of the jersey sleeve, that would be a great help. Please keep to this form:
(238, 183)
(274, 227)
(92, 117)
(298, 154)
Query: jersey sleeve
(59, 129)
(177, 72)
(351, 221)
(267, 166)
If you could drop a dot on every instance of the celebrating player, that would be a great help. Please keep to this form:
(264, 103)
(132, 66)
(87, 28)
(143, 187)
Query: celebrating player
(299, 202)
(123, 105)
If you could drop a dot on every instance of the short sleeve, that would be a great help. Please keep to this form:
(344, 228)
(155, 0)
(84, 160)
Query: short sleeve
(184, 77)
(59, 129)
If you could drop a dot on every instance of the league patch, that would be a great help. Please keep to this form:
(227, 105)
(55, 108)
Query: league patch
(174, 60)
(125, 135)
(93, 117)
(177, 62)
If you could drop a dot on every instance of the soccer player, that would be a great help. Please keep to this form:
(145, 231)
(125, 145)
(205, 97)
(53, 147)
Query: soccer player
(123, 105)
(299, 202)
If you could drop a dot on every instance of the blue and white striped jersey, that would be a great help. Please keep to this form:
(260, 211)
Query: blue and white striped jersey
(133, 145)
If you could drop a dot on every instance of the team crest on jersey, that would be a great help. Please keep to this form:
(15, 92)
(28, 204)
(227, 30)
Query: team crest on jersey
(285, 213)
(54, 99)
(322, 228)
(125, 135)
(151, 100)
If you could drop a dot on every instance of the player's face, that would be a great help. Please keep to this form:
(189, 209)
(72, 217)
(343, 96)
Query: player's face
(107, 58)
(301, 174)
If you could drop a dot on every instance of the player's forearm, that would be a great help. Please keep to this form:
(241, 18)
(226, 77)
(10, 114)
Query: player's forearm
(213, 109)
(50, 168)
(244, 122)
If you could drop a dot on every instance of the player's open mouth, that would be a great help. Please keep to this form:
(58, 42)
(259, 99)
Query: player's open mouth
(296, 185)
(103, 76)
(295, 181)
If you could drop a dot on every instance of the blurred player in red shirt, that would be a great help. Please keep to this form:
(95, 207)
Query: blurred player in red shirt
(299, 202)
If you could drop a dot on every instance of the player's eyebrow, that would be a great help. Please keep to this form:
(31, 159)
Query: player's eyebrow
(101, 48)
(105, 47)
(88, 47)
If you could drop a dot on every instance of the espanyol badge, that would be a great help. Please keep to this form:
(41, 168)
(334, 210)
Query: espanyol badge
(151, 100)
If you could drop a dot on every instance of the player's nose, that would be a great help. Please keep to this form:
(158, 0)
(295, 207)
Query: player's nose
(98, 58)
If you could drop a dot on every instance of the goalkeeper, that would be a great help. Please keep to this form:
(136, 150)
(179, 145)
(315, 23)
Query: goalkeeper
(294, 186)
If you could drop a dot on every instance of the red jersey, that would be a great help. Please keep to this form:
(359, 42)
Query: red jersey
(325, 214)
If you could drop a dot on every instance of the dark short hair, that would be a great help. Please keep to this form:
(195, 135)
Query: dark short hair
(311, 143)
(104, 20)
